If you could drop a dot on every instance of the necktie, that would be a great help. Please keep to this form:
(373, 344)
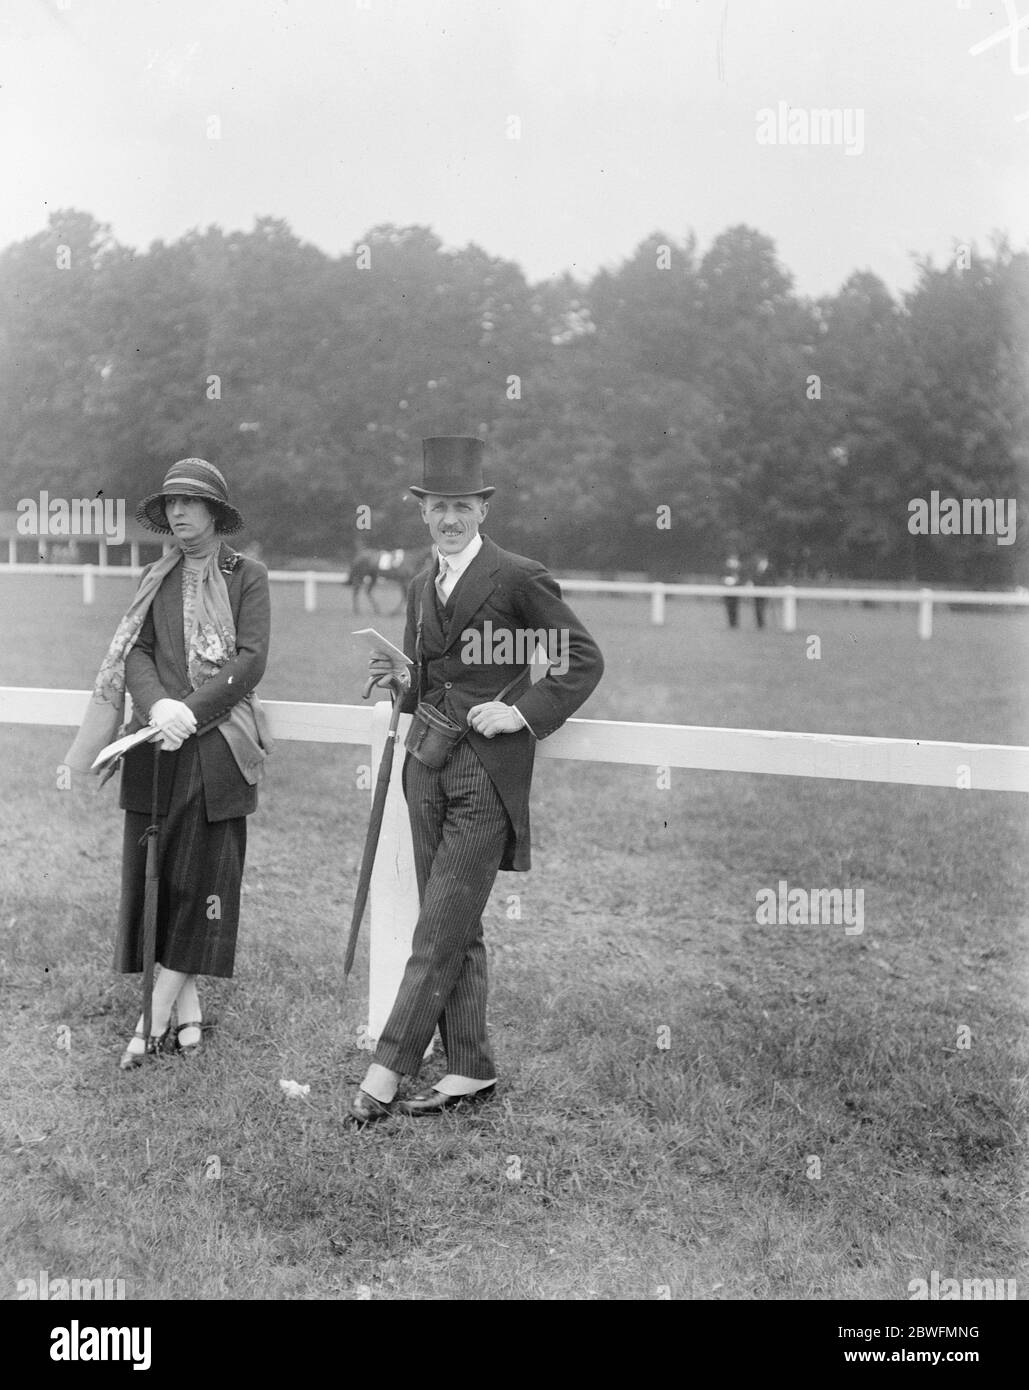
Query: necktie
(444, 569)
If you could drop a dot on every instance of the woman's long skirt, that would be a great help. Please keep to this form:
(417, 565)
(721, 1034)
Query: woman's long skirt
(201, 870)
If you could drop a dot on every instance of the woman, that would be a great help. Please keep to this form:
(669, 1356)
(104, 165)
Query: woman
(190, 651)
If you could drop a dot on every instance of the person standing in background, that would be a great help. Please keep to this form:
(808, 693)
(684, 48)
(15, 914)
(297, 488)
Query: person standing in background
(731, 578)
(761, 576)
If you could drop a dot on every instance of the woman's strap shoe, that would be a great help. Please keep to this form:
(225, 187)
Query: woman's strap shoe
(130, 1059)
(191, 1048)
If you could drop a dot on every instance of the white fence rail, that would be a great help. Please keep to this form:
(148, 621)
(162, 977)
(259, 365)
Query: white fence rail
(394, 897)
(790, 594)
(925, 599)
(91, 573)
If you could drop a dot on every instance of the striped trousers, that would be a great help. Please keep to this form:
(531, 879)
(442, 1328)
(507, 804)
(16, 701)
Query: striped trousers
(459, 828)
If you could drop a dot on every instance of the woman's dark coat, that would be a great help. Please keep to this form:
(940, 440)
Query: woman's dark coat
(155, 669)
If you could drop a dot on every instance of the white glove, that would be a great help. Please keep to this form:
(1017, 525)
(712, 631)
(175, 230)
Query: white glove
(176, 722)
(494, 717)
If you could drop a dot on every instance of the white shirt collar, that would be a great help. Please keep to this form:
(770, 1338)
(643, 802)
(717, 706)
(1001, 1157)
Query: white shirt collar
(457, 564)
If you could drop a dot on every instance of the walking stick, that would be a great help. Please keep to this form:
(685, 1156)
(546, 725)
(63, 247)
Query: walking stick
(150, 893)
(374, 826)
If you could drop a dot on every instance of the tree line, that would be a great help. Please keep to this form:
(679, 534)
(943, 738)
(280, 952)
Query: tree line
(682, 405)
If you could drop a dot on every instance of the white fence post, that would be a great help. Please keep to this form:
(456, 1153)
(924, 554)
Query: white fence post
(310, 593)
(88, 584)
(925, 613)
(657, 605)
(394, 888)
(789, 609)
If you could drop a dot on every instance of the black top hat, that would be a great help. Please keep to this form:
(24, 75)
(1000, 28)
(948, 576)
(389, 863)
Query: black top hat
(191, 477)
(452, 467)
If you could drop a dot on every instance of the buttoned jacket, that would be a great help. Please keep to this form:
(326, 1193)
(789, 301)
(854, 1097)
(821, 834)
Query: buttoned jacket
(467, 654)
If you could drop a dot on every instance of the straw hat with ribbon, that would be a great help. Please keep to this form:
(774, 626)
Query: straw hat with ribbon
(191, 477)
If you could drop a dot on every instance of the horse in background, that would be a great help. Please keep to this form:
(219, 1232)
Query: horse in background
(396, 566)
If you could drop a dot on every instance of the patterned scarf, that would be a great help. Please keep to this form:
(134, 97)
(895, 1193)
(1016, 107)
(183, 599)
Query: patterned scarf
(212, 643)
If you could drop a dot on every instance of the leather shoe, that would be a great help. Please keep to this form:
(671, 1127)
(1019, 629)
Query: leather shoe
(130, 1060)
(434, 1102)
(365, 1109)
(187, 1049)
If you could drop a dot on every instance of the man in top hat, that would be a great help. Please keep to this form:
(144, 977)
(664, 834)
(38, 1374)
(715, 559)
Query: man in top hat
(474, 614)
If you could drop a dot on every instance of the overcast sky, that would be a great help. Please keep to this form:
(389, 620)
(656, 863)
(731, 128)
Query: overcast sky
(635, 115)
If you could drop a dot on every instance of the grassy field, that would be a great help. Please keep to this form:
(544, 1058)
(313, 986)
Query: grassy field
(691, 1105)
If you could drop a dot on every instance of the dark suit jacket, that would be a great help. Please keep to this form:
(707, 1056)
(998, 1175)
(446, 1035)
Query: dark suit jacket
(510, 592)
(155, 669)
